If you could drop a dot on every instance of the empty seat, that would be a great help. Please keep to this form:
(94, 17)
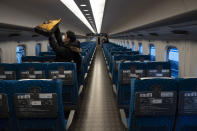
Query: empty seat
(153, 104)
(142, 58)
(47, 53)
(187, 112)
(117, 59)
(158, 69)
(31, 71)
(6, 106)
(67, 73)
(38, 59)
(7, 71)
(38, 105)
(126, 70)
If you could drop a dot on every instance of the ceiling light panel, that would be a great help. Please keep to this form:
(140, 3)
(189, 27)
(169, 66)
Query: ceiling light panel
(98, 11)
(70, 4)
(86, 10)
(83, 5)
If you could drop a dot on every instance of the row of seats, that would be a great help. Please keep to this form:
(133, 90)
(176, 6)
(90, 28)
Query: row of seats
(163, 104)
(110, 49)
(65, 71)
(123, 64)
(31, 105)
(156, 101)
(88, 49)
(126, 70)
(35, 67)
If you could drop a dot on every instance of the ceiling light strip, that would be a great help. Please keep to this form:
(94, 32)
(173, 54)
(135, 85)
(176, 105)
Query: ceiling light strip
(98, 11)
(70, 4)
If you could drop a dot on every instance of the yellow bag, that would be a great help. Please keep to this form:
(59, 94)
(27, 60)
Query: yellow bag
(47, 27)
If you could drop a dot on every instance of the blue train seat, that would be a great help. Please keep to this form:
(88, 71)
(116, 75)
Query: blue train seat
(130, 53)
(31, 71)
(142, 58)
(158, 69)
(68, 74)
(153, 104)
(6, 106)
(187, 112)
(126, 70)
(47, 53)
(38, 59)
(38, 105)
(7, 71)
(117, 59)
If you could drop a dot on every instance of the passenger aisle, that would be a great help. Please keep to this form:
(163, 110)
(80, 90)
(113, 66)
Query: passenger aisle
(98, 111)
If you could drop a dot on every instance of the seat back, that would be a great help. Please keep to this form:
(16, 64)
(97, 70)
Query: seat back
(158, 69)
(187, 112)
(6, 106)
(7, 71)
(47, 53)
(117, 59)
(68, 74)
(153, 104)
(142, 58)
(38, 105)
(38, 59)
(126, 70)
(31, 71)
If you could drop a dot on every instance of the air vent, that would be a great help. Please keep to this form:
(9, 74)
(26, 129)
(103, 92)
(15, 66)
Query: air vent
(140, 35)
(154, 34)
(184, 25)
(13, 35)
(132, 35)
(35, 35)
(180, 32)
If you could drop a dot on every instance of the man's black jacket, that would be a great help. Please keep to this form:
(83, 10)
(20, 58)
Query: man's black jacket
(67, 53)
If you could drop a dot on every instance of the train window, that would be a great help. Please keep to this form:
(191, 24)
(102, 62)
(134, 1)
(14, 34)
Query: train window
(91, 38)
(140, 48)
(0, 55)
(128, 45)
(173, 57)
(38, 49)
(152, 52)
(20, 52)
(49, 48)
(133, 46)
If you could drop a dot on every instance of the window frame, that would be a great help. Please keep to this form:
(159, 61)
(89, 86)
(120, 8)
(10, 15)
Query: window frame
(24, 48)
(128, 44)
(38, 44)
(133, 46)
(168, 48)
(1, 55)
(153, 57)
(140, 47)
